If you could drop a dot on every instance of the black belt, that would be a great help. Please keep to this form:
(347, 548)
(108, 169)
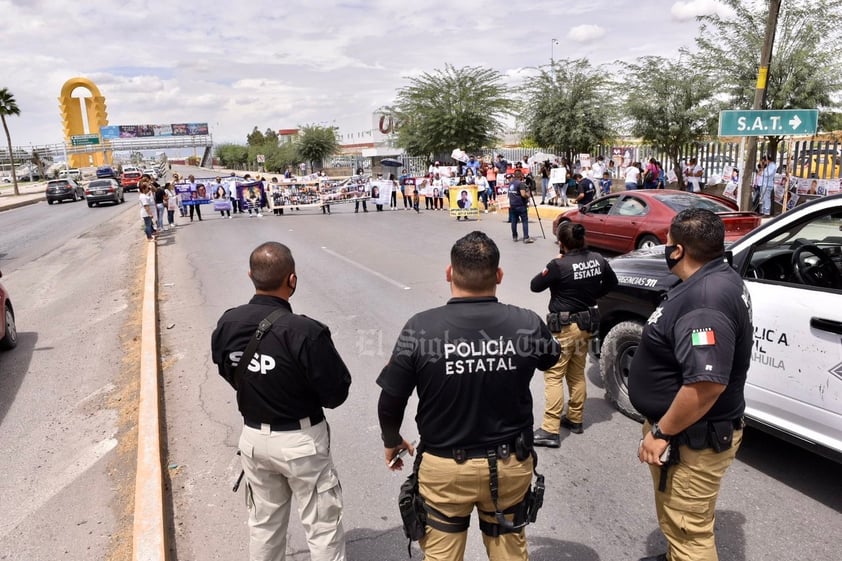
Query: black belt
(503, 450)
(285, 426)
(738, 423)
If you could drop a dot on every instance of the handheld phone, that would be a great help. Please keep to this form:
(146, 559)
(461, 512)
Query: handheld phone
(401, 454)
(666, 455)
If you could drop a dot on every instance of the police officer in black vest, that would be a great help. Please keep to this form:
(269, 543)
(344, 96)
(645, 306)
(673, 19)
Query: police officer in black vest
(471, 362)
(576, 278)
(585, 189)
(687, 378)
(285, 444)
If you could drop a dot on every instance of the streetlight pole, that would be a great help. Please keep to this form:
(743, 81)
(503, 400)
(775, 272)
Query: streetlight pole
(553, 43)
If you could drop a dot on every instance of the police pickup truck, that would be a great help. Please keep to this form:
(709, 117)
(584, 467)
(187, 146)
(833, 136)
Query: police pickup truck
(792, 266)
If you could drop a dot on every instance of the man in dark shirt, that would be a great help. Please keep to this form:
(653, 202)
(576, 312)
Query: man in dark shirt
(687, 378)
(471, 362)
(586, 190)
(519, 207)
(285, 443)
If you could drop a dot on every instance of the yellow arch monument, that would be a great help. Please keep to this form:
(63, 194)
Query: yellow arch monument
(74, 124)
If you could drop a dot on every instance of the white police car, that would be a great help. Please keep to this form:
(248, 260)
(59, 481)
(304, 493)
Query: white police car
(792, 266)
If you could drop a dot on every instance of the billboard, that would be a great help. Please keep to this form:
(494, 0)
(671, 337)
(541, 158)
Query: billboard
(113, 132)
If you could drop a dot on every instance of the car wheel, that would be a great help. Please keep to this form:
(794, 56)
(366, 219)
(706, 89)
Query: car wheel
(90, 204)
(615, 361)
(10, 340)
(648, 241)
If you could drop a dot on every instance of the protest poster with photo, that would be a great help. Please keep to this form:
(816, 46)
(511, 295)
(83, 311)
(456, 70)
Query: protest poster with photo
(463, 201)
(781, 186)
(251, 194)
(381, 192)
(807, 186)
(193, 193)
(831, 187)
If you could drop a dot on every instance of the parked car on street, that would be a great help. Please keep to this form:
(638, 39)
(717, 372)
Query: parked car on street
(8, 330)
(792, 267)
(151, 173)
(130, 180)
(103, 172)
(640, 218)
(59, 190)
(104, 191)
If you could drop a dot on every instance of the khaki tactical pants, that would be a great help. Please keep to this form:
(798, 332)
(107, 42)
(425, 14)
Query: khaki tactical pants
(570, 365)
(280, 465)
(686, 509)
(455, 489)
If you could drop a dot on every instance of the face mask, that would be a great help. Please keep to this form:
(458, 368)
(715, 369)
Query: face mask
(668, 250)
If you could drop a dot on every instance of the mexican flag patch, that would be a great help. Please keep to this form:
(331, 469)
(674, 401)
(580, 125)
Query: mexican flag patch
(702, 337)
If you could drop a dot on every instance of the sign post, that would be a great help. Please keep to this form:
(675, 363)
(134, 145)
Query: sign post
(84, 139)
(773, 122)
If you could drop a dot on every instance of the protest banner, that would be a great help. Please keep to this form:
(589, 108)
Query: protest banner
(463, 201)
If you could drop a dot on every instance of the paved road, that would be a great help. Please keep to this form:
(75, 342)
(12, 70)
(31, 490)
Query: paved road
(364, 275)
(67, 392)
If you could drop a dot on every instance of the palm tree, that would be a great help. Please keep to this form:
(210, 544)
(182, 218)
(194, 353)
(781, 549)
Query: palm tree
(8, 106)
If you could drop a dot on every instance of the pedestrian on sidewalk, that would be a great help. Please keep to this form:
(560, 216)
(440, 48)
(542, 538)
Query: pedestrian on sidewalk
(171, 201)
(147, 204)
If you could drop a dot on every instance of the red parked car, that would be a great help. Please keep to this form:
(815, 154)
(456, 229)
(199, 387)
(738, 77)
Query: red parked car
(631, 220)
(130, 180)
(8, 331)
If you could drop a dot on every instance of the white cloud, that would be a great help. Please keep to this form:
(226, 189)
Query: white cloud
(683, 11)
(586, 33)
(282, 64)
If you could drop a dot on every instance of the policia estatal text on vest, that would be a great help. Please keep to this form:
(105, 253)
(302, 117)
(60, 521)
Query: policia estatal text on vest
(471, 362)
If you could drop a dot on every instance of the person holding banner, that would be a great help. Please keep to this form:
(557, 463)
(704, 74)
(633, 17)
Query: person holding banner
(193, 196)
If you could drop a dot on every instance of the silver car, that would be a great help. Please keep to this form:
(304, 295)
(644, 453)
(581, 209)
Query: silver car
(106, 190)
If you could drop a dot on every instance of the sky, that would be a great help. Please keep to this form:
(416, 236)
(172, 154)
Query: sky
(289, 63)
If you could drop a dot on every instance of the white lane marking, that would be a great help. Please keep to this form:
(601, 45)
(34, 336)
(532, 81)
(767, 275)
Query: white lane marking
(367, 270)
(18, 511)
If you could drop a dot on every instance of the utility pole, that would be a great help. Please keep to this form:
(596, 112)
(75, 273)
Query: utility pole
(750, 157)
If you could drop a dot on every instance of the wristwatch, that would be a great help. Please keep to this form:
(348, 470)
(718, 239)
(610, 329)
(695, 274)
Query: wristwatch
(656, 432)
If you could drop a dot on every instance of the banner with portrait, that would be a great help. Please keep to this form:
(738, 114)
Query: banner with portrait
(463, 201)
(381, 192)
(192, 193)
(251, 194)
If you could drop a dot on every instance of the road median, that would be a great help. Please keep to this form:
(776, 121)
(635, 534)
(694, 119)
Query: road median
(149, 543)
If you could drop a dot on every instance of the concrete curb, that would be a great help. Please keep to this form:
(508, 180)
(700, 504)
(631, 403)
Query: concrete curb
(149, 543)
(18, 204)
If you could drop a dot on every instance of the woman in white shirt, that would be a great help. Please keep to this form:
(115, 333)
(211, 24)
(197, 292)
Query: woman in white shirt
(147, 203)
(632, 176)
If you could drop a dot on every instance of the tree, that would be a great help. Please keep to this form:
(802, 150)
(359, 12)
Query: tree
(8, 107)
(270, 136)
(316, 143)
(451, 108)
(570, 106)
(232, 155)
(255, 137)
(805, 72)
(674, 109)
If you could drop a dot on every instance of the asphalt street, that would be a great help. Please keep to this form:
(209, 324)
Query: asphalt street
(67, 394)
(364, 275)
(66, 391)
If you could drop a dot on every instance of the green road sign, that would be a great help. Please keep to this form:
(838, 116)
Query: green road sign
(84, 139)
(774, 122)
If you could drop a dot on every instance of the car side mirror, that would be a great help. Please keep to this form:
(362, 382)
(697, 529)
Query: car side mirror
(729, 257)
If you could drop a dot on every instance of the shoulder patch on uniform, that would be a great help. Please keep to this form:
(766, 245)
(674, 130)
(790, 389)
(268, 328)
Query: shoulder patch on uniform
(703, 337)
